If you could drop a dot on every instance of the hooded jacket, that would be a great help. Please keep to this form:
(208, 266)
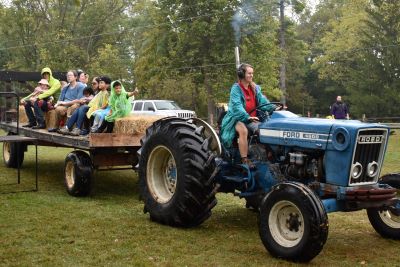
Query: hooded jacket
(55, 85)
(119, 103)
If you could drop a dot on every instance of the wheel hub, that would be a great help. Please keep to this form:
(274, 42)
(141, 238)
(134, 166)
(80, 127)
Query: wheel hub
(286, 223)
(70, 174)
(390, 218)
(6, 151)
(293, 223)
(162, 176)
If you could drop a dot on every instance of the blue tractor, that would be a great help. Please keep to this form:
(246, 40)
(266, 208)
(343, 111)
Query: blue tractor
(304, 169)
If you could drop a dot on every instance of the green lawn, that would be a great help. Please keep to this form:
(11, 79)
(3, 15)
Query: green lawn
(51, 228)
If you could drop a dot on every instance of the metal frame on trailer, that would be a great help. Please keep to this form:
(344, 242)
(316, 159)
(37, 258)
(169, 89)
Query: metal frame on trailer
(20, 139)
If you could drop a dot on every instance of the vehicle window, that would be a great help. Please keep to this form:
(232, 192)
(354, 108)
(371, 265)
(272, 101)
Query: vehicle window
(148, 106)
(138, 106)
(167, 105)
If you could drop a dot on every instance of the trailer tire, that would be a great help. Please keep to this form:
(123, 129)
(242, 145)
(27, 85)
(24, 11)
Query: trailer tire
(293, 224)
(13, 154)
(175, 167)
(78, 171)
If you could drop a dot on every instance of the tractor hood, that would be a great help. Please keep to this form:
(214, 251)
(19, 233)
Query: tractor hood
(288, 129)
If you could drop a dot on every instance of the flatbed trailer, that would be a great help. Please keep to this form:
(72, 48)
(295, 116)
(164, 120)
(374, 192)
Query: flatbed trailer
(96, 151)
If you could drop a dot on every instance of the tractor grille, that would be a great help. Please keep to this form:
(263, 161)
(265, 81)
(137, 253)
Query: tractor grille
(369, 148)
(186, 115)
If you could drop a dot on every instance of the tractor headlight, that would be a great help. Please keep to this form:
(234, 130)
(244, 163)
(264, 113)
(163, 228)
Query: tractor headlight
(340, 139)
(372, 169)
(356, 170)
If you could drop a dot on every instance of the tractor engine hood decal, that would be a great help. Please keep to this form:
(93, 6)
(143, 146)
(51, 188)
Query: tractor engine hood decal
(296, 131)
(290, 134)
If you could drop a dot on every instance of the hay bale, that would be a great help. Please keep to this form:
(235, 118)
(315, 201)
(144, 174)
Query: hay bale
(134, 124)
(50, 117)
(22, 115)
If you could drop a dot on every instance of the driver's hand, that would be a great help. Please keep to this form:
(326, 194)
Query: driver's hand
(253, 119)
(279, 107)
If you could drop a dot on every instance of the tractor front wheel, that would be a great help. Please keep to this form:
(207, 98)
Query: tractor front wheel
(293, 224)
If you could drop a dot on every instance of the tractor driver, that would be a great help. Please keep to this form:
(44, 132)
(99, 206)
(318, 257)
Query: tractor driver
(241, 117)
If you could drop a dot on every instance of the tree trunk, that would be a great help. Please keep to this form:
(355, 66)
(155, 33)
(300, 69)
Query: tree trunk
(210, 98)
(282, 71)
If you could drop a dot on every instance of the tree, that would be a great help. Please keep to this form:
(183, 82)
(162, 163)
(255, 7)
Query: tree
(361, 57)
(298, 7)
(60, 34)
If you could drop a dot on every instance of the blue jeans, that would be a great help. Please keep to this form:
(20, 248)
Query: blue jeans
(78, 117)
(36, 114)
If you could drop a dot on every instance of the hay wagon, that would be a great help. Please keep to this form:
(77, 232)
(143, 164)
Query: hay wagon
(106, 151)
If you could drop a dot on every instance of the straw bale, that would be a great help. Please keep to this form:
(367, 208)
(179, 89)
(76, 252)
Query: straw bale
(134, 124)
(50, 117)
(22, 115)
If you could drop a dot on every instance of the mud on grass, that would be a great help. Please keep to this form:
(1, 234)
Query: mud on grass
(51, 228)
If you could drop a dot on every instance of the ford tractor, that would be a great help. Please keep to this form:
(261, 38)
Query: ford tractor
(304, 169)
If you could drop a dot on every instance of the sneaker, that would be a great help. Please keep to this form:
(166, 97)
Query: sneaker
(52, 130)
(64, 131)
(40, 126)
(75, 132)
(29, 125)
(84, 132)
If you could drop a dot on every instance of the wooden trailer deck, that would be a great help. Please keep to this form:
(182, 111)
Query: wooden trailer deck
(88, 142)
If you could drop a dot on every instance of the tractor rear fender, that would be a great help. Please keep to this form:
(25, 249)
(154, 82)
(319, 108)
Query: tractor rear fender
(209, 132)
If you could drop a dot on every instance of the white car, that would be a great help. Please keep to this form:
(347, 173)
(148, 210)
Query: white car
(160, 108)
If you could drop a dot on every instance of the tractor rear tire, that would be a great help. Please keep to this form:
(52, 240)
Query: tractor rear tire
(175, 167)
(293, 224)
(78, 171)
(13, 154)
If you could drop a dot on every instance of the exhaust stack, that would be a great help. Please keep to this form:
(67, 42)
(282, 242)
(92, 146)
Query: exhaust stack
(237, 58)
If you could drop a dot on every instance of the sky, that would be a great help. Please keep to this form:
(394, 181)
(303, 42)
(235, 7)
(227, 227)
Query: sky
(312, 4)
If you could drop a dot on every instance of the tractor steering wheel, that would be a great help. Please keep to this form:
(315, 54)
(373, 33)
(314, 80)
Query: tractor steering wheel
(263, 115)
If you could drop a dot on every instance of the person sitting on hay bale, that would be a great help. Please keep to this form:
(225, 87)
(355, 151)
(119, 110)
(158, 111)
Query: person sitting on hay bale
(120, 106)
(35, 110)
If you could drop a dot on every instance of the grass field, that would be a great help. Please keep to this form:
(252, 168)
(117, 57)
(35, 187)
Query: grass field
(51, 228)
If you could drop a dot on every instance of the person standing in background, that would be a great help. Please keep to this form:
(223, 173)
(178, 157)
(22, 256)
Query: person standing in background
(339, 109)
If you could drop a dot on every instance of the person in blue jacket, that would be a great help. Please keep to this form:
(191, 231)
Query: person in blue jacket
(241, 117)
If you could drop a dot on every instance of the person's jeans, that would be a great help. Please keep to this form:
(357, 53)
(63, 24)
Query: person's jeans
(33, 117)
(39, 113)
(29, 112)
(78, 117)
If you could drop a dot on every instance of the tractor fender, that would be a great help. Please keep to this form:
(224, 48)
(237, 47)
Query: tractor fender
(209, 132)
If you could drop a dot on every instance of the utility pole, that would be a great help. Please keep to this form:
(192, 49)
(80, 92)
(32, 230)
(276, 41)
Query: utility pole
(282, 44)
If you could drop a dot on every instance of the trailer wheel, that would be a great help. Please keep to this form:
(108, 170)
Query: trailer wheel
(175, 166)
(293, 224)
(78, 172)
(13, 154)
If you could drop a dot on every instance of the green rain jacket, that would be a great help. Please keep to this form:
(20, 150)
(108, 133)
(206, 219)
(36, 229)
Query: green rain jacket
(119, 103)
(237, 112)
(55, 85)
